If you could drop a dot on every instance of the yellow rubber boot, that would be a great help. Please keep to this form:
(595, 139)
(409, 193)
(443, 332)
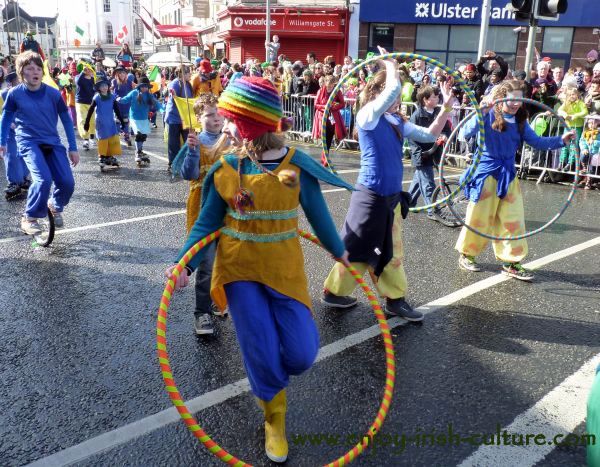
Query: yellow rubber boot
(276, 445)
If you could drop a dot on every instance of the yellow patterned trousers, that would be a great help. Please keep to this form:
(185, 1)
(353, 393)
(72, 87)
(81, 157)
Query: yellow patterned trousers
(392, 281)
(82, 111)
(495, 216)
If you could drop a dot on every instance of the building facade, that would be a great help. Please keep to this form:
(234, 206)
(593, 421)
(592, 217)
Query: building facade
(449, 31)
(83, 23)
(16, 22)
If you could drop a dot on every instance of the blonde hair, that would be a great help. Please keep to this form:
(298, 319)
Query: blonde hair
(205, 99)
(28, 58)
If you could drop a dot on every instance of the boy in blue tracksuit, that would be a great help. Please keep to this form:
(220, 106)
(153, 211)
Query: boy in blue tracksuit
(17, 173)
(35, 109)
(121, 85)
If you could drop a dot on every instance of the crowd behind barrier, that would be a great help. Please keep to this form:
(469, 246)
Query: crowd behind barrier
(544, 165)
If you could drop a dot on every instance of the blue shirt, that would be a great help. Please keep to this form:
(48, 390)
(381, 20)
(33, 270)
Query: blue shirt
(139, 110)
(498, 156)
(190, 169)
(85, 89)
(105, 116)
(11, 132)
(171, 113)
(35, 114)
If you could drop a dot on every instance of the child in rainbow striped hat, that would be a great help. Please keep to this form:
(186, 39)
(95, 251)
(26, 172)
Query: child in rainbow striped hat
(252, 196)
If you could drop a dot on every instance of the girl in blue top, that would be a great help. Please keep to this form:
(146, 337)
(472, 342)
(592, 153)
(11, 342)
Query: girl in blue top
(35, 108)
(372, 230)
(141, 102)
(496, 204)
(121, 85)
(105, 105)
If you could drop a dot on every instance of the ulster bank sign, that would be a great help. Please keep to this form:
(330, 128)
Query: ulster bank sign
(468, 12)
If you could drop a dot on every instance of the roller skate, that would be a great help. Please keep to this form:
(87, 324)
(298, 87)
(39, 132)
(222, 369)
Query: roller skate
(106, 163)
(12, 191)
(141, 159)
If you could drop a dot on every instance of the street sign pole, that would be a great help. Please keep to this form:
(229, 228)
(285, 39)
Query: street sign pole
(531, 39)
(485, 23)
(268, 29)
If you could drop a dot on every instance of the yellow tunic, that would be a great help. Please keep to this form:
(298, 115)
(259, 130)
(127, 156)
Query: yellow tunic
(261, 245)
(199, 86)
(208, 156)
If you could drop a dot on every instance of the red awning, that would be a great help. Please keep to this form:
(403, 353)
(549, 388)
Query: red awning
(175, 30)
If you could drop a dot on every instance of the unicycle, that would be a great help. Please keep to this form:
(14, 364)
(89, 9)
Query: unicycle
(459, 203)
(46, 236)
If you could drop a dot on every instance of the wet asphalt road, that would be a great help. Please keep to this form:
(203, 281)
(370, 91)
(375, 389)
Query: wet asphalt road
(78, 353)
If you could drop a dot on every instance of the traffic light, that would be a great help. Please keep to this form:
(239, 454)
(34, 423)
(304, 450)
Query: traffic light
(523, 9)
(550, 9)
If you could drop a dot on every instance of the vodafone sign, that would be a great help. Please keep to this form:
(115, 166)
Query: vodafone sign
(281, 22)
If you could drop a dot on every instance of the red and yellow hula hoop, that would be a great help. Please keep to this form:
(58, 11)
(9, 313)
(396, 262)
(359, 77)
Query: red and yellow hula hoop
(192, 423)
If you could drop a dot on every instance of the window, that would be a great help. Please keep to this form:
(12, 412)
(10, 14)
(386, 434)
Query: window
(557, 40)
(502, 40)
(432, 37)
(382, 35)
(106, 6)
(464, 38)
(109, 33)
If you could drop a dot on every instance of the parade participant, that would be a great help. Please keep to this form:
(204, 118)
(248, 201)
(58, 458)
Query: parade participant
(17, 173)
(121, 86)
(259, 268)
(573, 111)
(84, 94)
(35, 108)
(141, 102)
(29, 43)
(175, 130)
(272, 48)
(372, 230)
(196, 157)
(424, 156)
(206, 80)
(106, 107)
(496, 204)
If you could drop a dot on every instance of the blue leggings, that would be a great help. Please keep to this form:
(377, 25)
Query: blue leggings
(45, 169)
(277, 335)
(16, 169)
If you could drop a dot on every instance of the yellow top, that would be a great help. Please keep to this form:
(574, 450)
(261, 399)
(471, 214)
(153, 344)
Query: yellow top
(208, 156)
(261, 245)
(214, 86)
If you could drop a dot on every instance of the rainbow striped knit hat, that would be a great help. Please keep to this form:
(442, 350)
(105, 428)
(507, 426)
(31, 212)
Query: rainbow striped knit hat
(253, 104)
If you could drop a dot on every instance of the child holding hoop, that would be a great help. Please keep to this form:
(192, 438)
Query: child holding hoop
(372, 230)
(253, 197)
(496, 204)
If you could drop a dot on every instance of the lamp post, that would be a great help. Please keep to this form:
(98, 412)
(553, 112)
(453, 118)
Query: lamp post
(268, 29)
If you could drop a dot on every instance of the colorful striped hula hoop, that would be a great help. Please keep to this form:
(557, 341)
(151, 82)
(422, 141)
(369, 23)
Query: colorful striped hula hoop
(445, 188)
(457, 79)
(192, 423)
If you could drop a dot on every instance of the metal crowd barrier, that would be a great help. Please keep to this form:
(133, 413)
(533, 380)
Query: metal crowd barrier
(530, 161)
(548, 163)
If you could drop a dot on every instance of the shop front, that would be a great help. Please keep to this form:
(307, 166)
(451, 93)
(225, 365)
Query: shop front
(323, 31)
(449, 31)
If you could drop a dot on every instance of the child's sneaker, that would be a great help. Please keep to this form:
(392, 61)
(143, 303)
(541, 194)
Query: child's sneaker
(30, 226)
(138, 156)
(203, 324)
(517, 271)
(12, 191)
(468, 263)
(399, 307)
(86, 145)
(337, 301)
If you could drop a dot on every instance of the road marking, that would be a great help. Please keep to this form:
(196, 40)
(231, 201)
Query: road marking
(138, 219)
(131, 431)
(558, 412)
